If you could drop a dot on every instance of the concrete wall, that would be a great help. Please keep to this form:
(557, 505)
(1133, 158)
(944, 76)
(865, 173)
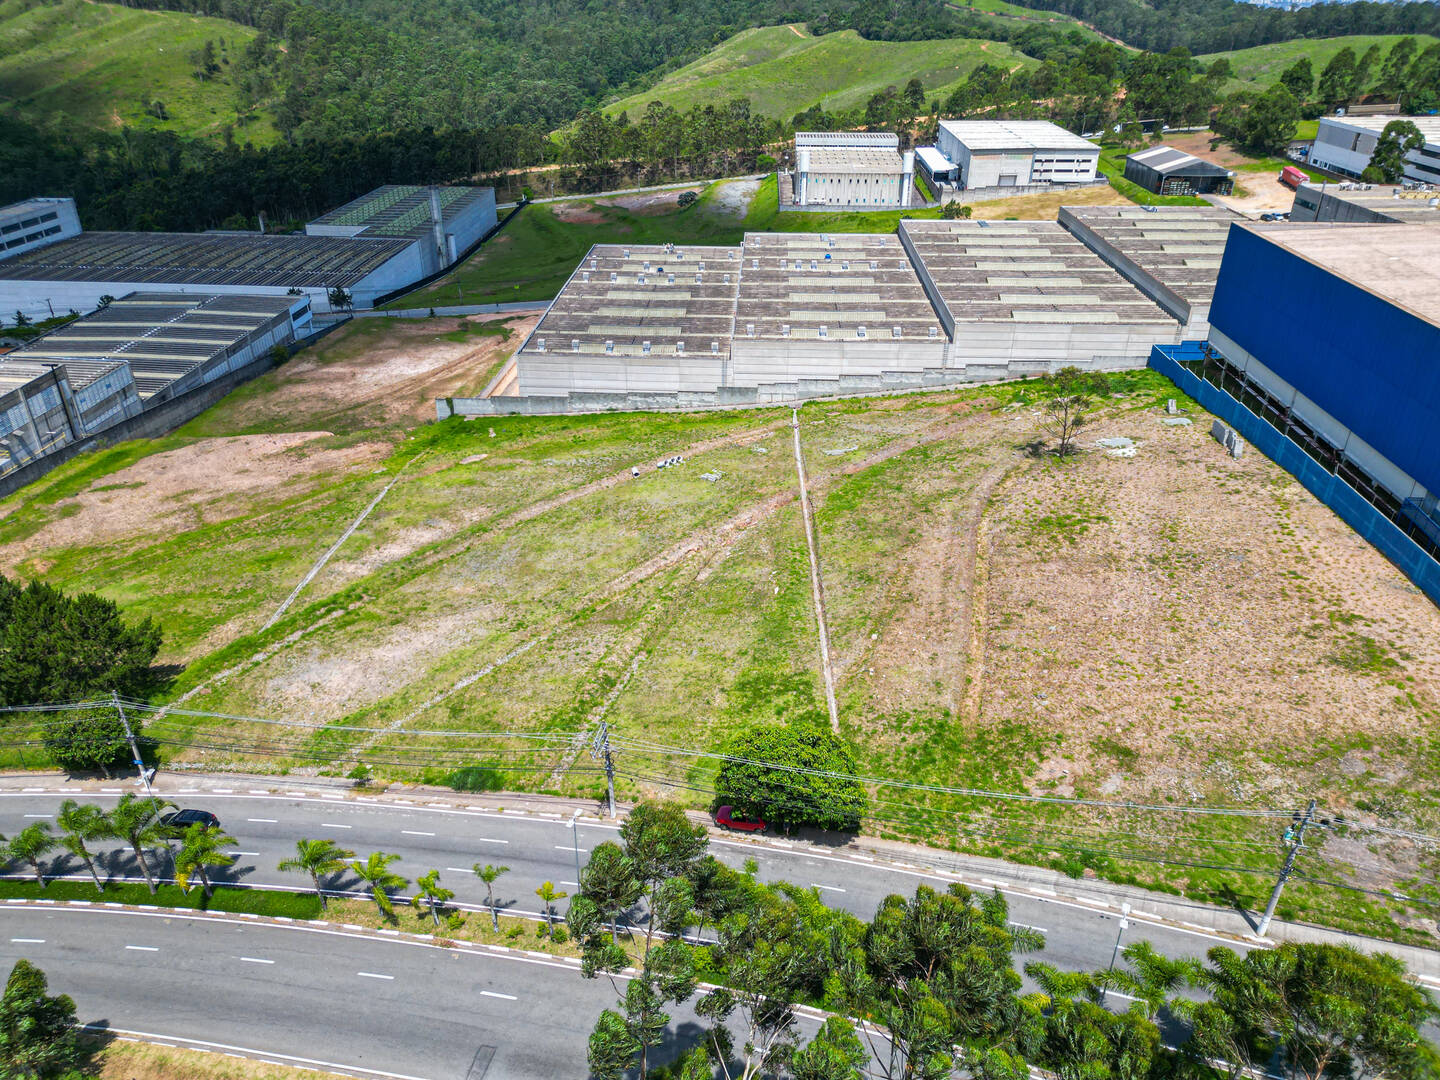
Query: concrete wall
(1027, 348)
(863, 190)
(761, 361)
(560, 371)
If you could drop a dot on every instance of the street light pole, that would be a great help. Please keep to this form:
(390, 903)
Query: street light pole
(1115, 952)
(575, 836)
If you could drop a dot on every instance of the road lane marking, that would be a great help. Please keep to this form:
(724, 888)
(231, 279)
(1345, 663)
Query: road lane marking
(576, 884)
(1027, 926)
(373, 975)
(569, 847)
(224, 790)
(142, 948)
(27, 941)
(332, 825)
(460, 869)
(830, 888)
(32, 789)
(414, 832)
(40, 815)
(490, 840)
(502, 997)
(254, 960)
(263, 820)
(252, 854)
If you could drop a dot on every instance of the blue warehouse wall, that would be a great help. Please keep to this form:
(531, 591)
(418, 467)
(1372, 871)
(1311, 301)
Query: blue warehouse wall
(1371, 365)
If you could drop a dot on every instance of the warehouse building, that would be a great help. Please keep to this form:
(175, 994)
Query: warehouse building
(1167, 171)
(446, 222)
(173, 342)
(1322, 354)
(36, 222)
(860, 169)
(1009, 153)
(1365, 204)
(820, 311)
(1344, 145)
(386, 241)
(1023, 297)
(1172, 253)
(44, 406)
(640, 319)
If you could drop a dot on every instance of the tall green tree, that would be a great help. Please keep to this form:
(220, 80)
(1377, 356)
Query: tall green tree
(1299, 78)
(660, 843)
(1337, 80)
(609, 882)
(87, 739)
(548, 894)
(489, 875)
(80, 826)
(30, 845)
(799, 773)
(136, 821)
(433, 894)
(201, 851)
(38, 1033)
(319, 859)
(375, 873)
(835, 1053)
(1396, 65)
(55, 647)
(1387, 162)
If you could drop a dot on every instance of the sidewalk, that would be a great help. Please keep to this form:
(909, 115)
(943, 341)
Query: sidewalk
(979, 872)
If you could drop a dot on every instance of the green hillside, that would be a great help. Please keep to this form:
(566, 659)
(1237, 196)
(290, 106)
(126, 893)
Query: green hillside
(101, 65)
(785, 69)
(1262, 65)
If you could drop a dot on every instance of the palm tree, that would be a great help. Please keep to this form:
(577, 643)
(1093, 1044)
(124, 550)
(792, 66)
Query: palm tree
(200, 852)
(489, 875)
(432, 894)
(1155, 978)
(137, 822)
(82, 824)
(317, 858)
(375, 872)
(548, 896)
(30, 844)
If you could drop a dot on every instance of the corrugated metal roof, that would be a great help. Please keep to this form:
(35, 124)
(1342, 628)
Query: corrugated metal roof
(1167, 161)
(1015, 135)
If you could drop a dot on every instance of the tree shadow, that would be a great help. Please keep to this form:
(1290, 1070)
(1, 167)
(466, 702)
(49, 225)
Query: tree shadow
(1034, 449)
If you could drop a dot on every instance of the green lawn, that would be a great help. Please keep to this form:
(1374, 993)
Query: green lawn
(784, 70)
(98, 65)
(1260, 67)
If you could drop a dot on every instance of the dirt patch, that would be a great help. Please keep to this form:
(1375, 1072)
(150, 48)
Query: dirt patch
(654, 202)
(577, 213)
(182, 489)
(736, 196)
(1045, 206)
(379, 374)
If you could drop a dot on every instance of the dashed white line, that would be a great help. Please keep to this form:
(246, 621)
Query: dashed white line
(460, 869)
(40, 815)
(252, 854)
(373, 975)
(828, 888)
(567, 847)
(502, 997)
(262, 820)
(1027, 926)
(490, 840)
(332, 825)
(224, 790)
(32, 789)
(254, 960)
(27, 941)
(574, 884)
(142, 948)
(414, 832)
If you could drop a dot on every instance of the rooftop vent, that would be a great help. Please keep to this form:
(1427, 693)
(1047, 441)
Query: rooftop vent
(609, 346)
(785, 329)
(614, 276)
(749, 329)
(860, 331)
(895, 331)
(933, 332)
(679, 348)
(715, 347)
(824, 331)
(645, 348)
(540, 344)
(574, 344)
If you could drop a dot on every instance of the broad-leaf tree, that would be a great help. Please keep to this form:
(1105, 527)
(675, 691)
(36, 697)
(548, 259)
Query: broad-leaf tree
(799, 773)
(319, 859)
(38, 1035)
(88, 739)
(375, 873)
(81, 825)
(1387, 161)
(137, 822)
(489, 875)
(660, 843)
(1067, 398)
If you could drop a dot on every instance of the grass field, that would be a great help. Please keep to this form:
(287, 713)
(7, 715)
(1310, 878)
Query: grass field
(1261, 66)
(99, 65)
(1173, 628)
(785, 69)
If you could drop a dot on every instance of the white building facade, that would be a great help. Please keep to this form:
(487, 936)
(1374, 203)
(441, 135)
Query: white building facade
(1011, 153)
(1345, 144)
(36, 222)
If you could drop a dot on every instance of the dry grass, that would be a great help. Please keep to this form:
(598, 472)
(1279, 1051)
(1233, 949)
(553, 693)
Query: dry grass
(1045, 207)
(142, 1061)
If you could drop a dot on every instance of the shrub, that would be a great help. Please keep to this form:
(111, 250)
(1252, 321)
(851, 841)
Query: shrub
(477, 778)
(87, 740)
(753, 787)
(560, 935)
(686, 199)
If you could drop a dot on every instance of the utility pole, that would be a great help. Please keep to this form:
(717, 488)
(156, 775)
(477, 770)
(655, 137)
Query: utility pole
(1119, 933)
(600, 750)
(130, 738)
(1295, 838)
(574, 826)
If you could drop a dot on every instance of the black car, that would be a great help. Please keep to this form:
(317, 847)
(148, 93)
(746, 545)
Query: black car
(178, 821)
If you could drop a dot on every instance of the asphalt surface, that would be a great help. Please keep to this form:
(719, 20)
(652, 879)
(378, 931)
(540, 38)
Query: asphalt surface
(537, 849)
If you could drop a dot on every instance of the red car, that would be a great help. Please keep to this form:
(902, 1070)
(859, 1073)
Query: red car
(726, 818)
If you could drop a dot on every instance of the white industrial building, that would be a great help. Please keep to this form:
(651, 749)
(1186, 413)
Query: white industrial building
(132, 355)
(1008, 153)
(1344, 144)
(381, 243)
(859, 169)
(36, 222)
(794, 315)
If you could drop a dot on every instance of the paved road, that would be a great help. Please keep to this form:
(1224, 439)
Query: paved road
(393, 1008)
(537, 849)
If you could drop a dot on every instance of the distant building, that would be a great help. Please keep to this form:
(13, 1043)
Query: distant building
(1008, 153)
(1344, 145)
(446, 222)
(1365, 204)
(1321, 353)
(36, 222)
(1167, 171)
(859, 169)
